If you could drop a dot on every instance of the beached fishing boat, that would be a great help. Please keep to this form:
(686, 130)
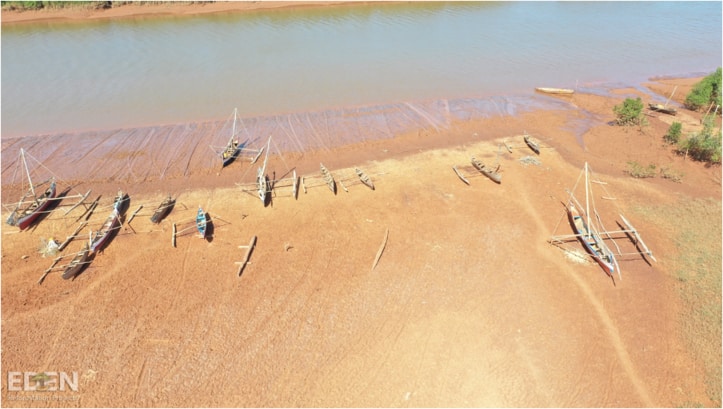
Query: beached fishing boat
(556, 91)
(112, 223)
(365, 179)
(591, 241)
(663, 109)
(262, 181)
(163, 209)
(201, 222)
(492, 174)
(532, 144)
(77, 264)
(31, 205)
(231, 150)
(26, 211)
(328, 178)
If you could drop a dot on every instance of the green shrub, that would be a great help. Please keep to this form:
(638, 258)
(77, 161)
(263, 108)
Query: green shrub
(707, 91)
(630, 112)
(704, 146)
(673, 134)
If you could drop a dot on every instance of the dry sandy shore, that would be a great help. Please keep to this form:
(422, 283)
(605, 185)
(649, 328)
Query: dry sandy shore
(468, 306)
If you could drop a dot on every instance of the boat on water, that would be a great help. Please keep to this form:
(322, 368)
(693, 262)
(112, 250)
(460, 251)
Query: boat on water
(112, 223)
(78, 263)
(492, 174)
(555, 91)
(328, 178)
(201, 222)
(163, 210)
(663, 109)
(532, 144)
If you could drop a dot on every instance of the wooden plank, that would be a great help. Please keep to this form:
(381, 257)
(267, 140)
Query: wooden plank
(85, 196)
(257, 156)
(46, 272)
(134, 215)
(295, 186)
(381, 249)
(173, 239)
(71, 237)
(89, 211)
(460, 175)
(245, 261)
(638, 238)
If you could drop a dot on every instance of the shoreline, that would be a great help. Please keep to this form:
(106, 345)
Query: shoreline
(147, 148)
(308, 319)
(169, 9)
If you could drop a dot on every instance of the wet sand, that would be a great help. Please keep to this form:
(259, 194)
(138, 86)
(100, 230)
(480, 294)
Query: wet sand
(468, 306)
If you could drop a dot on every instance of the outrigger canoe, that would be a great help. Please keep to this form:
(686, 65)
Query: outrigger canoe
(591, 241)
(201, 222)
(111, 224)
(163, 209)
(23, 218)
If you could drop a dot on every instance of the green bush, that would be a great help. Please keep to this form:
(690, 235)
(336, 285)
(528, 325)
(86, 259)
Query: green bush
(673, 135)
(704, 146)
(707, 91)
(630, 112)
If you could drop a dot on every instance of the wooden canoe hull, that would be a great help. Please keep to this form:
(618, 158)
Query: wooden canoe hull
(556, 91)
(365, 179)
(663, 109)
(101, 237)
(230, 153)
(163, 210)
(532, 144)
(23, 219)
(77, 264)
(328, 178)
(589, 241)
(494, 176)
(201, 222)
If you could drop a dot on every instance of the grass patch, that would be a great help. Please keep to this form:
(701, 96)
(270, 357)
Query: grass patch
(666, 172)
(695, 226)
(637, 170)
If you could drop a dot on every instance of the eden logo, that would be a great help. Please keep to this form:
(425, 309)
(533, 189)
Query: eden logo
(42, 381)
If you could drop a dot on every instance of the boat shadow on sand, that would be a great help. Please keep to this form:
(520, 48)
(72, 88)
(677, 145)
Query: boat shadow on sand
(209, 229)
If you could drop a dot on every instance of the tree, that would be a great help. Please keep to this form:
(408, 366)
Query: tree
(673, 134)
(630, 112)
(707, 91)
(704, 146)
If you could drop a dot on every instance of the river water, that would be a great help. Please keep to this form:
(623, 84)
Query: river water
(69, 77)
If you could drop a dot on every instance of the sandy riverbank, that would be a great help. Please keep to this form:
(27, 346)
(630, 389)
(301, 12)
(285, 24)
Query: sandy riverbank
(170, 8)
(468, 306)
